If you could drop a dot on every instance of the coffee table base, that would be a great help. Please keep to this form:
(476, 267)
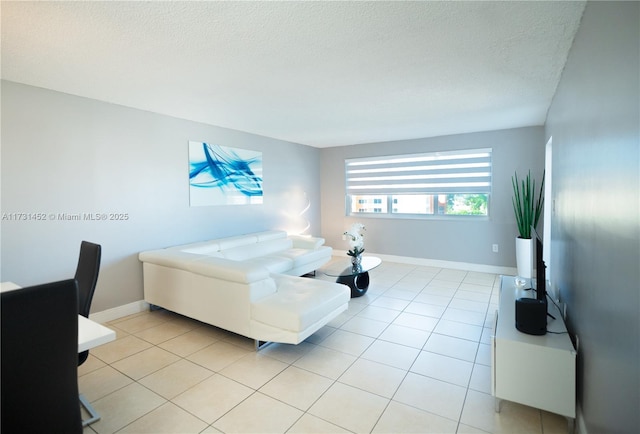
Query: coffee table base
(359, 283)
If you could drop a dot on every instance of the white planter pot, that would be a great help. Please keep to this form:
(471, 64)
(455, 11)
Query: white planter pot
(524, 257)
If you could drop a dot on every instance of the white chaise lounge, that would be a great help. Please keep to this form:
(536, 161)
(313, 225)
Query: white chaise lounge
(247, 284)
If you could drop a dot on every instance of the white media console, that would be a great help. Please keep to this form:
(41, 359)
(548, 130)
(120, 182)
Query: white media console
(538, 371)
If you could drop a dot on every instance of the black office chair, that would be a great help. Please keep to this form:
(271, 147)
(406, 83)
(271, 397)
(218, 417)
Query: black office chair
(39, 370)
(87, 278)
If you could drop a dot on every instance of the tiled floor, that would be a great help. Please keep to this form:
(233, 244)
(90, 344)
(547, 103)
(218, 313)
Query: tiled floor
(411, 356)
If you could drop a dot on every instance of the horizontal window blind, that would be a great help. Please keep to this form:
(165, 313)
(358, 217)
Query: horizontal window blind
(467, 171)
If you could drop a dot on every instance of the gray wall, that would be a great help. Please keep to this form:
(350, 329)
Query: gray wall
(595, 228)
(456, 240)
(65, 154)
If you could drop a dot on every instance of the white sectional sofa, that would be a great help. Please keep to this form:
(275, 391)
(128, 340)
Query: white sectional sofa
(247, 284)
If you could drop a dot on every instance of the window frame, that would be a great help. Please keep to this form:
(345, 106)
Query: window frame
(389, 196)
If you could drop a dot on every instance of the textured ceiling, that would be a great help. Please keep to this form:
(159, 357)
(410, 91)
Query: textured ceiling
(318, 73)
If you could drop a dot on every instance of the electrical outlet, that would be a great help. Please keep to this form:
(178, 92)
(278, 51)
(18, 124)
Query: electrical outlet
(494, 248)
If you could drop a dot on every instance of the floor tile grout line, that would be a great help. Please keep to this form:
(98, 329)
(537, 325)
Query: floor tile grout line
(356, 358)
(406, 372)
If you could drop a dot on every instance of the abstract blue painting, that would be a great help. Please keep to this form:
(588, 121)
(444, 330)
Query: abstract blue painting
(219, 175)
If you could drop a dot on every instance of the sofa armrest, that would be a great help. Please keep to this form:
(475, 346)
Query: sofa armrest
(220, 268)
(311, 243)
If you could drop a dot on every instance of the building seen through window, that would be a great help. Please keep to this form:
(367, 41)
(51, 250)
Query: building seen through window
(422, 204)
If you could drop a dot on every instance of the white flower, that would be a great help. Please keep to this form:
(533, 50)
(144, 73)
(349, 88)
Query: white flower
(355, 238)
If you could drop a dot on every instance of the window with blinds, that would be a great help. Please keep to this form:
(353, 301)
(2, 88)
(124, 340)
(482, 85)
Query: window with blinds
(435, 183)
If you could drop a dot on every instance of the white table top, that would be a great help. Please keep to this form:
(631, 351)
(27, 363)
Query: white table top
(344, 267)
(8, 286)
(90, 333)
(557, 336)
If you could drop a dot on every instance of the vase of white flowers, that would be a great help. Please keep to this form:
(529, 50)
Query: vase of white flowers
(356, 240)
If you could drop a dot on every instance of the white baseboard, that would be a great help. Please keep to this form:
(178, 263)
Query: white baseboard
(480, 268)
(141, 306)
(119, 312)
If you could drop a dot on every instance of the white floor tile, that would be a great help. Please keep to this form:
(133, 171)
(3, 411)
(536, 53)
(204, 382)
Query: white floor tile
(483, 357)
(365, 326)
(218, 355)
(388, 353)
(383, 314)
(409, 337)
(443, 368)
(190, 342)
(392, 303)
(401, 418)
(479, 297)
(309, 424)
(145, 362)
(174, 379)
(327, 330)
(165, 331)
(425, 309)
(259, 414)
(212, 398)
(465, 316)
(350, 408)
(297, 387)
(459, 330)
(254, 370)
(420, 322)
(400, 294)
(101, 382)
(412, 355)
(453, 347)
(373, 377)
(120, 349)
(485, 337)
(349, 342)
(440, 284)
(475, 287)
(124, 406)
(326, 362)
(469, 305)
(288, 353)
(434, 396)
(479, 413)
(435, 297)
(481, 379)
(169, 419)
(451, 275)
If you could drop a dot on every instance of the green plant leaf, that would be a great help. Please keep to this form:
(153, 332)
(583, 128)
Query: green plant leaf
(527, 203)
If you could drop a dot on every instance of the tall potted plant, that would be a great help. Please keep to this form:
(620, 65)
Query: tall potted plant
(527, 205)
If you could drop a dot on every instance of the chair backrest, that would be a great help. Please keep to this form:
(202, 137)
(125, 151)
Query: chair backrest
(87, 275)
(39, 370)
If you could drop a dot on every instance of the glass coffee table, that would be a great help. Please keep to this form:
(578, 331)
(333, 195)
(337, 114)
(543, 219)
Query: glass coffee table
(355, 277)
